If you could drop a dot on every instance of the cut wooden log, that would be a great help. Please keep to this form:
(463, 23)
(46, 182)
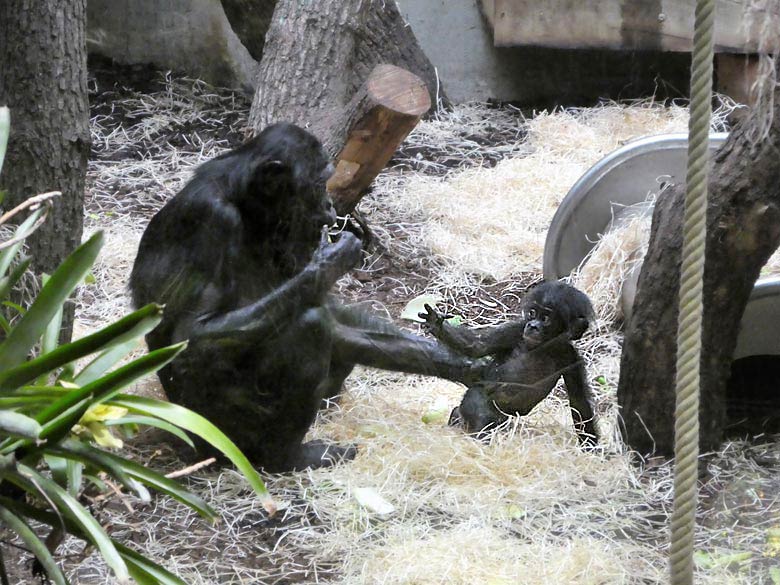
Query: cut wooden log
(319, 52)
(377, 119)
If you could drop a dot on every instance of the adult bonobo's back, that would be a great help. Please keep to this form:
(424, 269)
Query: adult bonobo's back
(243, 264)
(266, 197)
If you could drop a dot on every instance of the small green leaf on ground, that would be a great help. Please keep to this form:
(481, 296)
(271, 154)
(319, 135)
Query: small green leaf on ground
(774, 574)
(707, 560)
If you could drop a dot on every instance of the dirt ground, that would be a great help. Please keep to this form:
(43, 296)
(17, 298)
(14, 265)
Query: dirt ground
(527, 508)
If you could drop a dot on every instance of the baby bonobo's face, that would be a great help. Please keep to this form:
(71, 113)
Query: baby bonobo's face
(542, 325)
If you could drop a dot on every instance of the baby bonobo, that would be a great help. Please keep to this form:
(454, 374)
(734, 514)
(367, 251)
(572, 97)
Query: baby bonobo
(528, 358)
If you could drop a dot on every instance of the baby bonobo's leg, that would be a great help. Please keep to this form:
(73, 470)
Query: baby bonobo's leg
(477, 413)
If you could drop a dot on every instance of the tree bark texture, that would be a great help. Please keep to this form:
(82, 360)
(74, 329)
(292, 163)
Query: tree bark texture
(250, 20)
(317, 55)
(743, 230)
(43, 80)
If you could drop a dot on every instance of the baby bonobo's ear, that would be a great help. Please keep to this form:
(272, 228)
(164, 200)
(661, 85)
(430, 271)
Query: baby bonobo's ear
(578, 327)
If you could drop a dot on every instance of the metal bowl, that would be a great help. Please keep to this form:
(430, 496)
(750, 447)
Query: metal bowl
(605, 194)
(758, 334)
(622, 178)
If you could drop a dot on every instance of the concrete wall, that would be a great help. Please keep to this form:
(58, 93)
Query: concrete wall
(193, 36)
(458, 40)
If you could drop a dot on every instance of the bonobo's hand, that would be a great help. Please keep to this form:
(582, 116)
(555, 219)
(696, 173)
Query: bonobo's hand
(433, 320)
(331, 261)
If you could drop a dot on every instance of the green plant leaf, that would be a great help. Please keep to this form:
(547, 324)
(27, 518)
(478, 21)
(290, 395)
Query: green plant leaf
(5, 130)
(121, 467)
(36, 546)
(51, 334)
(145, 571)
(16, 347)
(8, 281)
(30, 397)
(710, 560)
(57, 426)
(197, 425)
(25, 229)
(72, 449)
(150, 421)
(116, 335)
(18, 425)
(58, 467)
(15, 306)
(774, 574)
(67, 506)
(66, 472)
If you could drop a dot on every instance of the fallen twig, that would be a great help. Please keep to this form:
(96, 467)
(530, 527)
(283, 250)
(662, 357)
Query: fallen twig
(191, 468)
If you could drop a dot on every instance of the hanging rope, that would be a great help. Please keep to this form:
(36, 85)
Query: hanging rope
(686, 427)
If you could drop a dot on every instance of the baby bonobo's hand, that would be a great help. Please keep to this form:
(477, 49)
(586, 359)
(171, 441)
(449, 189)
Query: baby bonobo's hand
(433, 321)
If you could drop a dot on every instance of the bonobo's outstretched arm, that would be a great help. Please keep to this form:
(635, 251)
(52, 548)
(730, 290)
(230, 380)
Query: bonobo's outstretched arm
(480, 343)
(306, 289)
(361, 338)
(580, 401)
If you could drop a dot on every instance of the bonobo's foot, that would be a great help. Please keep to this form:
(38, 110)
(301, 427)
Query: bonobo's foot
(319, 453)
(476, 370)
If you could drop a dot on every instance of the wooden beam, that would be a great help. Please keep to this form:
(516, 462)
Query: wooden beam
(380, 115)
(665, 25)
(735, 75)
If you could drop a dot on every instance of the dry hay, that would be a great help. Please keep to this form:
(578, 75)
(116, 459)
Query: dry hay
(529, 507)
(490, 223)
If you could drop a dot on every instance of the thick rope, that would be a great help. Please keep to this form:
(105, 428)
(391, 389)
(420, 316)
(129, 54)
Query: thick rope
(690, 320)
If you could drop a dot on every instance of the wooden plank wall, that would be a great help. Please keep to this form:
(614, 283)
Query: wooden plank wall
(664, 25)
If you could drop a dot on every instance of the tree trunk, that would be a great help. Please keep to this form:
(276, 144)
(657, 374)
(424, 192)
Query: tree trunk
(43, 79)
(250, 20)
(743, 229)
(318, 54)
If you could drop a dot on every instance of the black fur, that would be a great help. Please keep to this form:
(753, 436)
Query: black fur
(529, 357)
(241, 261)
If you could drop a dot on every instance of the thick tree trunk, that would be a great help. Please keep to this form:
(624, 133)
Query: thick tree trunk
(318, 54)
(743, 229)
(43, 79)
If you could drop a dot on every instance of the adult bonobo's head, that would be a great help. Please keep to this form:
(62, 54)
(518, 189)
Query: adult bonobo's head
(555, 310)
(277, 180)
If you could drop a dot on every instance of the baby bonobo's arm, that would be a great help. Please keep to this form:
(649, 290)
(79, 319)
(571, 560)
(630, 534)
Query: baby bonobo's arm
(473, 343)
(580, 402)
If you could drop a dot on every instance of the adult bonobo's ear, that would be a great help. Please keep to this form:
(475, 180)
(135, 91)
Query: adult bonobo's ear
(271, 177)
(578, 327)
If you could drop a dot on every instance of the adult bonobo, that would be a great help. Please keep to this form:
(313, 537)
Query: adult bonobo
(242, 261)
(529, 357)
